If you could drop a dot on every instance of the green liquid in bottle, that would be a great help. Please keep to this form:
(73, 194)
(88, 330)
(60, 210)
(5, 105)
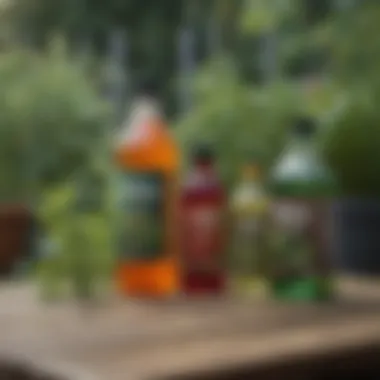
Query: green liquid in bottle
(299, 233)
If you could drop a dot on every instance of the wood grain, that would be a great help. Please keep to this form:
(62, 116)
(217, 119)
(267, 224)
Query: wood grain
(122, 339)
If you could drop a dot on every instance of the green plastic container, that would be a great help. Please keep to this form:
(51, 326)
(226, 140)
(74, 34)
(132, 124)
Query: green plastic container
(301, 228)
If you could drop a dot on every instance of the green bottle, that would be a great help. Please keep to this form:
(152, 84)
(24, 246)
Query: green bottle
(300, 228)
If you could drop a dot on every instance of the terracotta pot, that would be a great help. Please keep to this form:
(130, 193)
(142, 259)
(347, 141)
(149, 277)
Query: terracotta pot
(15, 224)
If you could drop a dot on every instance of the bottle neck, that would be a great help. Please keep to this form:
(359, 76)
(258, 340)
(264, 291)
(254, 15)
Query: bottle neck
(299, 161)
(204, 166)
(143, 110)
(304, 138)
(250, 173)
(146, 105)
(302, 143)
(250, 181)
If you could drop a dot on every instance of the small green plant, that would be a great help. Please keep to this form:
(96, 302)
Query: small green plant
(80, 244)
(52, 126)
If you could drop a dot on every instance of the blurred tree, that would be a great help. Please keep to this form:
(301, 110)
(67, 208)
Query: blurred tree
(291, 21)
(238, 119)
(353, 138)
(235, 119)
(51, 120)
(151, 27)
(355, 56)
(316, 10)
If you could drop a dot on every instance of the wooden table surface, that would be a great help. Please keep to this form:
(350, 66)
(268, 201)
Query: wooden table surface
(121, 340)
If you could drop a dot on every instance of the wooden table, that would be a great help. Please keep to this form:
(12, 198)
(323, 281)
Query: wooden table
(122, 340)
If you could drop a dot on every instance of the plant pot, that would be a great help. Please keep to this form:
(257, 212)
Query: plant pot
(15, 228)
(358, 235)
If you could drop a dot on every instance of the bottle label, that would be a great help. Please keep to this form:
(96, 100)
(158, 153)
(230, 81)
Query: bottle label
(246, 244)
(202, 229)
(299, 239)
(142, 215)
(248, 226)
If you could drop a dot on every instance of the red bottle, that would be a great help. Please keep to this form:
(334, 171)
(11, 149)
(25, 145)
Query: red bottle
(202, 227)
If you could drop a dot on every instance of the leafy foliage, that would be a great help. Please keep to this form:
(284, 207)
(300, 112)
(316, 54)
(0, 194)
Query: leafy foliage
(51, 118)
(235, 119)
(83, 257)
(352, 145)
(261, 16)
(353, 136)
(345, 46)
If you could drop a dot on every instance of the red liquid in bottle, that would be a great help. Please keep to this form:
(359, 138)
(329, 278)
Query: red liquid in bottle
(202, 206)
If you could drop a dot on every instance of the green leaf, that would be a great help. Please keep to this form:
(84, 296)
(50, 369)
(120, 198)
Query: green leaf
(258, 18)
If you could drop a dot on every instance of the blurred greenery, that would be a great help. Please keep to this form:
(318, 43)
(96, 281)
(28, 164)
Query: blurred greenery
(243, 121)
(83, 260)
(237, 120)
(259, 64)
(326, 57)
(51, 119)
(352, 145)
(233, 26)
(353, 130)
(53, 126)
(336, 81)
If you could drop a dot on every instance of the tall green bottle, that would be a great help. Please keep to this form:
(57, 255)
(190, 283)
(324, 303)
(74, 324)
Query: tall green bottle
(300, 229)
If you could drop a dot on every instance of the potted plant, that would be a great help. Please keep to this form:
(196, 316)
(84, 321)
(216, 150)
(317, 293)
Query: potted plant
(353, 150)
(15, 175)
(51, 119)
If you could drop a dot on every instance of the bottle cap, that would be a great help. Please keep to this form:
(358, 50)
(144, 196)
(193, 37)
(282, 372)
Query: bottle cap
(305, 127)
(203, 152)
(148, 87)
(143, 113)
(251, 170)
(253, 157)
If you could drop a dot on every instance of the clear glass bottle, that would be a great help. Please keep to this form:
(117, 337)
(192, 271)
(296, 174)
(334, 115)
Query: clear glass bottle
(249, 206)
